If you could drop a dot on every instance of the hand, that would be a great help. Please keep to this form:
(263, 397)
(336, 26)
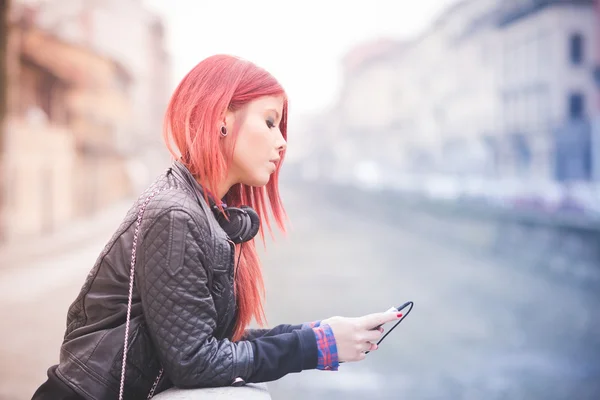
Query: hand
(354, 336)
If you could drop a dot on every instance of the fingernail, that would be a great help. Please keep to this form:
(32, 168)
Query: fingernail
(376, 347)
(399, 315)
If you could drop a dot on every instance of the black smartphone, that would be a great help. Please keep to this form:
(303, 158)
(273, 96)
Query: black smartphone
(400, 309)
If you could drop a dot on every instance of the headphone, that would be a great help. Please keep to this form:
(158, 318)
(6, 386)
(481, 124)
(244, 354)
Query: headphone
(241, 224)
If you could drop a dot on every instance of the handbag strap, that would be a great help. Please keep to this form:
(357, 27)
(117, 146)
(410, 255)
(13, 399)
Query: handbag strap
(141, 210)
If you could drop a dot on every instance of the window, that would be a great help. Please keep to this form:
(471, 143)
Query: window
(521, 151)
(576, 106)
(541, 109)
(540, 56)
(576, 49)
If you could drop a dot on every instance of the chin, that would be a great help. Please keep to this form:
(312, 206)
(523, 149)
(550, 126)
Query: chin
(258, 181)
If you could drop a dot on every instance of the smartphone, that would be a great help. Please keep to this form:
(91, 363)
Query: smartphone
(399, 309)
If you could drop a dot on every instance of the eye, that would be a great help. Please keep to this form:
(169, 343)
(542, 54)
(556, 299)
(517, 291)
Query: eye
(270, 123)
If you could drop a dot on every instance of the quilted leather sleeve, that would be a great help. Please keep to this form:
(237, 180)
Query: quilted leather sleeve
(173, 284)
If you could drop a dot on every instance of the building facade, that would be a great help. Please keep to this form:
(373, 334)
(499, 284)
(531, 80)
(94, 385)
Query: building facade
(497, 90)
(128, 32)
(546, 88)
(65, 104)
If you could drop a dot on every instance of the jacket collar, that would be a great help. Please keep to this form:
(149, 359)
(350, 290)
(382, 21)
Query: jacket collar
(183, 172)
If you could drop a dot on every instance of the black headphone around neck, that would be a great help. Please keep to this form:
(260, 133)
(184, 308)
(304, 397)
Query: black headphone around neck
(241, 224)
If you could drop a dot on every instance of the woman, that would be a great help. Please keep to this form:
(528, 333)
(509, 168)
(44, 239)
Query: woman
(180, 280)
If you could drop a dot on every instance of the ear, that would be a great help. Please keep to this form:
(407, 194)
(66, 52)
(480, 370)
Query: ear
(230, 117)
(227, 143)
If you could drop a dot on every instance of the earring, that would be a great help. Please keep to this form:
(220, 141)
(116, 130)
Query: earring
(223, 131)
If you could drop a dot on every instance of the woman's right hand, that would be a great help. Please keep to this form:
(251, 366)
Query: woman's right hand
(355, 336)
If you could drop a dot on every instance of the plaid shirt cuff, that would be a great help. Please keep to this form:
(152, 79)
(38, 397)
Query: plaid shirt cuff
(328, 355)
(310, 325)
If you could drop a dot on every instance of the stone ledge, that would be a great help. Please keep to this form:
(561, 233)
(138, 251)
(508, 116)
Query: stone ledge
(247, 392)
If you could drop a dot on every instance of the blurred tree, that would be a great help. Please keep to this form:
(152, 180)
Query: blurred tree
(4, 6)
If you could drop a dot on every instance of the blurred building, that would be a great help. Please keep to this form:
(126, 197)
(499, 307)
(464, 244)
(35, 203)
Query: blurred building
(546, 88)
(494, 89)
(89, 83)
(128, 32)
(366, 112)
(65, 106)
(596, 100)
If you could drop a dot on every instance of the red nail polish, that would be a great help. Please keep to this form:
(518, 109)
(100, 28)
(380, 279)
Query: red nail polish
(399, 315)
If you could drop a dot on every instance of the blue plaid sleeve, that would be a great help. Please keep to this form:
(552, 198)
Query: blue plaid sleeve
(328, 355)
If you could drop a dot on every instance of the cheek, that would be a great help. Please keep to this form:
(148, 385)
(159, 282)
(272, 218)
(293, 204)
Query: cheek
(248, 150)
(258, 139)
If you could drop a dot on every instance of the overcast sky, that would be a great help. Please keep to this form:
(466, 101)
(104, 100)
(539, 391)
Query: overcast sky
(300, 42)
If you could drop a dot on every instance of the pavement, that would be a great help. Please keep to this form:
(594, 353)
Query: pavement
(84, 230)
(481, 328)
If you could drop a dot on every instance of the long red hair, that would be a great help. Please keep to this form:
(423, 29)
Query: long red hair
(193, 121)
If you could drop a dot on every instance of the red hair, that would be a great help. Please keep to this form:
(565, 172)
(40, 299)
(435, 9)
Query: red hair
(193, 120)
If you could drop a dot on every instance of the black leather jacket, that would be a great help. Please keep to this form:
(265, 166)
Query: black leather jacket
(183, 308)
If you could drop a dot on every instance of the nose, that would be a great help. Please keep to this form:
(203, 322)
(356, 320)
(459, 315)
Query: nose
(281, 143)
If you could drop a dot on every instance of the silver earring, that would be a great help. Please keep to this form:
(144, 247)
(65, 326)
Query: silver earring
(223, 131)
